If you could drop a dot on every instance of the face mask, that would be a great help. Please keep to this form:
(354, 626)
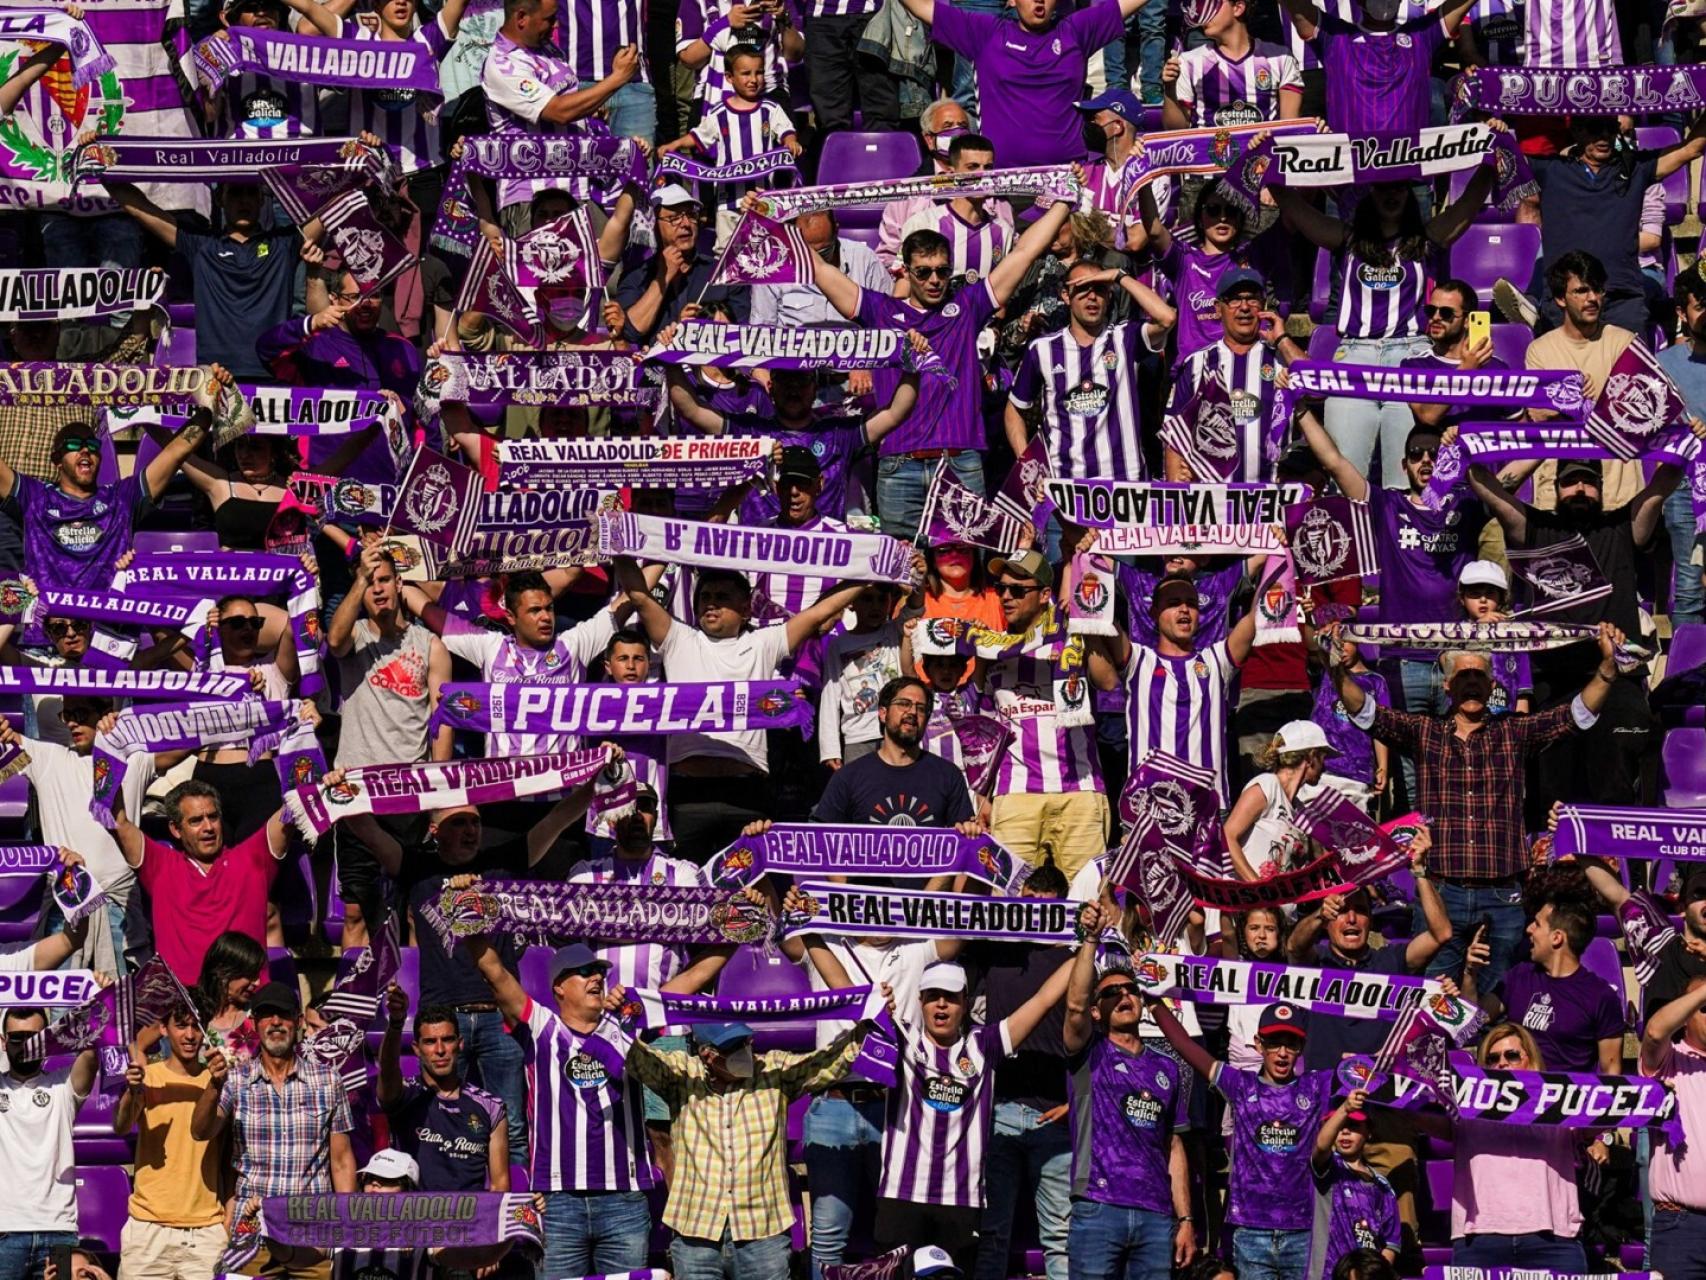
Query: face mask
(1380, 10)
(954, 566)
(564, 313)
(739, 1063)
(1095, 137)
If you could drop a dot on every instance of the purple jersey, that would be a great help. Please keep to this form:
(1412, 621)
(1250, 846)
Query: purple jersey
(1195, 276)
(646, 964)
(1379, 82)
(1497, 27)
(727, 133)
(1091, 418)
(1126, 1107)
(504, 660)
(1352, 1211)
(1572, 33)
(1456, 413)
(1421, 554)
(586, 1119)
(1273, 1134)
(1513, 676)
(834, 439)
(395, 115)
(593, 30)
(1216, 90)
(1355, 747)
(1380, 300)
(777, 595)
(448, 1136)
(71, 541)
(973, 248)
(1181, 706)
(519, 83)
(1567, 1016)
(1307, 52)
(938, 1117)
(1251, 387)
(948, 413)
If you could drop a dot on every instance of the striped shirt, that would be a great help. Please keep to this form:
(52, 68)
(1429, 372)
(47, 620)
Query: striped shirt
(585, 1117)
(1217, 90)
(519, 83)
(1181, 706)
(973, 249)
(593, 30)
(1497, 26)
(1250, 381)
(781, 595)
(1091, 416)
(1379, 81)
(263, 108)
(1572, 33)
(937, 1127)
(728, 133)
(1044, 757)
(1102, 191)
(707, 20)
(645, 964)
(281, 1139)
(503, 659)
(842, 8)
(1380, 301)
(396, 115)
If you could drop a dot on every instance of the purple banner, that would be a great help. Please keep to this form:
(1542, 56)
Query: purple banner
(542, 912)
(389, 66)
(733, 706)
(1640, 412)
(33, 384)
(612, 462)
(758, 168)
(559, 260)
(849, 557)
(1365, 852)
(1331, 538)
(1560, 391)
(1563, 1099)
(764, 252)
(113, 1015)
(1491, 444)
(106, 682)
(175, 727)
(956, 514)
(1205, 434)
(585, 162)
(914, 853)
(1579, 91)
(1606, 831)
(1148, 517)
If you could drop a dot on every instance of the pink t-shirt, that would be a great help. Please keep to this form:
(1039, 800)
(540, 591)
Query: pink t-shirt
(1679, 1176)
(193, 904)
(1512, 1179)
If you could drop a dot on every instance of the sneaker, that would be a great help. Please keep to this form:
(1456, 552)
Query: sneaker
(1514, 304)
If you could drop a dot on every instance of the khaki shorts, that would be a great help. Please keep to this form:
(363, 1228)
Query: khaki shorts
(154, 1251)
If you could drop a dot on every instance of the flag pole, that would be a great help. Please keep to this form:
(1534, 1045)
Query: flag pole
(723, 256)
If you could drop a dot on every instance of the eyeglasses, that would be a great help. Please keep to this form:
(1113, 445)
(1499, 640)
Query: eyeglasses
(1512, 1056)
(1447, 314)
(1238, 301)
(80, 444)
(907, 704)
(246, 623)
(672, 216)
(1015, 589)
(1119, 991)
(348, 299)
(59, 628)
(930, 273)
(1416, 452)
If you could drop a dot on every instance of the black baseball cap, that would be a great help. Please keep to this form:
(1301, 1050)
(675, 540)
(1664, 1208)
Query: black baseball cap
(277, 998)
(798, 463)
(1588, 468)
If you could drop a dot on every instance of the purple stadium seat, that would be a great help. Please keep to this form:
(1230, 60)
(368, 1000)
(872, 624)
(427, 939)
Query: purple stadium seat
(175, 541)
(1685, 768)
(867, 157)
(281, 966)
(1323, 291)
(1323, 341)
(1656, 137)
(1687, 649)
(1601, 959)
(1493, 249)
(179, 346)
(1439, 1184)
(867, 236)
(1510, 341)
(103, 1205)
(20, 901)
(1486, 213)
(408, 978)
(92, 1137)
(752, 973)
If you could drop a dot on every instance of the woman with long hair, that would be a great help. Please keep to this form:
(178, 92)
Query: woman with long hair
(1260, 835)
(1261, 936)
(231, 973)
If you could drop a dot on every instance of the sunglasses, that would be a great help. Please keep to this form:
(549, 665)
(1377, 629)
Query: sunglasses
(646, 804)
(930, 273)
(1509, 1055)
(1416, 452)
(1079, 290)
(1014, 589)
(1697, 894)
(245, 623)
(1119, 991)
(1448, 314)
(1218, 211)
(80, 444)
(59, 628)
(585, 971)
(79, 715)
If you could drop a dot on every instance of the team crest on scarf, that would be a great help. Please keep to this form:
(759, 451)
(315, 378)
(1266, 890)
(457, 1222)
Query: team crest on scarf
(1635, 403)
(1090, 593)
(740, 921)
(1320, 544)
(1559, 576)
(342, 792)
(1567, 395)
(1225, 149)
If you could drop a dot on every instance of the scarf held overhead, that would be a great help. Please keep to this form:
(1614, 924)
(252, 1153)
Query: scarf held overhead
(1139, 517)
(76, 293)
(850, 557)
(36, 27)
(573, 379)
(386, 66)
(664, 462)
(765, 346)
(865, 911)
(186, 160)
(1581, 91)
(1565, 1099)
(106, 682)
(906, 853)
(540, 912)
(732, 706)
(1606, 831)
(1335, 992)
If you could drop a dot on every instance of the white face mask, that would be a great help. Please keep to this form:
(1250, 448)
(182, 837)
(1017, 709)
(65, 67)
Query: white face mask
(740, 1063)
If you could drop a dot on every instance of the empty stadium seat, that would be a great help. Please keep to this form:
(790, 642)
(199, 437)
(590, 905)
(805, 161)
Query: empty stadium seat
(20, 903)
(1657, 137)
(1321, 296)
(1323, 342)
(175, 541)
(1510, 341)
(1490, 250)
(752, 973)
(103, 1206)
(867, 157)
(1685, 768)
(1687, 649)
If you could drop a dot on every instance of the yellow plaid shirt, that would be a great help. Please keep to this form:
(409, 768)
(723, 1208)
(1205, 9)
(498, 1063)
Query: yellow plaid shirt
(27, 431)
(731, 1146)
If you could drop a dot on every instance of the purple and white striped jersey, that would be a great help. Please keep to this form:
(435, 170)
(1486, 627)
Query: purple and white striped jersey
(728, 133)
(1217, 90)
(1379, 82)
(591, 31)
(586, 1120)
(264, 108)
(503, 660)
(708, 20)
(1102, 191)
(1497, 26)
(938, 1117)
(781, 595)
(1091, 416)
(1251, 386)
(1380, 301)
(1308, 53)
(842, 8)
(1181, 706)
(518, 83)
(645, 964)
(1572, 33)
(394, 115)
(973, 249)
(1044, 757)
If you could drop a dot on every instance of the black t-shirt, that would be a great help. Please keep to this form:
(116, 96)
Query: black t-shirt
(1560, 673)
(1331, 1038)
(1011, 973)
(450, 977)
(929, 792)
(1678, 966)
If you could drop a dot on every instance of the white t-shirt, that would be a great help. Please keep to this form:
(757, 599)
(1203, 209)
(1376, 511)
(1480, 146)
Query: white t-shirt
(693, 657)
(1275, 839)
(19, 959)
(900, 962)
(65, 784)
(36, 1159)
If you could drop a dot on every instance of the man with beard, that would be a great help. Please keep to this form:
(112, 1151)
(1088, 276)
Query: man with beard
(1685, 362)
(288, 1115)
(900, 783)
(457, 1133)
(1447, 312)
(1471, 777)
(37, 1109)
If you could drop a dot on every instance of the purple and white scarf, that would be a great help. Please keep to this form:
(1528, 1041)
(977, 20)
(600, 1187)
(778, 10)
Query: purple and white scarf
(27, 861)
(385, 66)
(76, 293)
(867, 911)
(568, 378)
(615, 462)
(770, 346)
(885, 1266)
(1342, 993)
(1608, 831)
(89, 59)
(1331, 538)
(1339, 159)
(758, 168)
(176, 727)
(36, 384)
(395, 1220)
(1278, 617)
(1153, 517)
(1024, 493)
(542, 912)
(488, 554)
(1167, 805)
(417, 788)
(1561, 391)
(1509, 636)
(1647, 932)
(49, 989)
(597, 162)
(1517, 1273)
(784, 206)
(190, 160)
(359, 988)
(112, 682)
(108, 607)
(1089, 593)
(1560, 1099)
(1048, 639)
(1204, 433)
(847, 557)
(1216, 151)
(956, 514)
(763, 251)
(1563, 575)
(112, 1015)
(1579, 91)
(914, 853)
(730, 706)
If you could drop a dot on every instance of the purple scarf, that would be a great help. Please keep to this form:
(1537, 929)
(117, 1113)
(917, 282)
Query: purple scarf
(1561, 1099)
(916, 853)
(189, 160)
(956, 514)
(488, 554)
(385, 66)
(1208, 151)
(176, 727)
(417, 788)
(867, 911)
(36, 383)
(113, 1015)
(1558, 391)
(604, 162)
(568, 378)
(27, 860)
(397, 1220)
(108, 682)
(885, 1266)
(102, 606)
(1591, 830)
(1582, 91)
(1151, 517)
(1647, 932)
(1562, 575)
(612, 462)
(1340, 993)
(756, 168)
(1331, 538)
(1514, 1273)
(731, 706)
(52, 989)
(489, 290)
(1167, 804)
(1338, 159)
(846, 557)
(785, 206)
(356, 994)
(89, 60)
(540, 912)
(763, 346)
(76, 293)
(762, 251)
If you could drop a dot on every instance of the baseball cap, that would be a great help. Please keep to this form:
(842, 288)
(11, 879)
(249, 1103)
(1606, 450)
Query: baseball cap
(1304, 735)
(1283, 1019)
(722, 1035)
(933, 1260)
(392, 1163)
(1694, 880)
(1240, 278)
(1588, 467)
(1122, 102)
(1024, 564)
(672, 194)
(1356, 1117)
(577, 955)
(276, 997)
(942, 975)
(1483, 573)
(798, 463)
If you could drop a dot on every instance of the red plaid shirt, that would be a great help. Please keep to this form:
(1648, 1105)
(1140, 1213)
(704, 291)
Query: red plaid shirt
(1472, 787)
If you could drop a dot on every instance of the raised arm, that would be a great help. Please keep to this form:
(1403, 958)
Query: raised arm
(1352, 483)
(652, 615)
(1683, 153)
(208, 1118)
(1081, 984)
(511, 999)
(803, 625)
(390, 1085)
(165, 464)
(1023, 1020)
(26, 74)
(1668, 1019)
(1426, 944)
(1320, 229)
(1198, 1058)
(155, 220)
(1647, 507)
(1328, 1134)
(577, 104)
(1506, 509)
(1029, 247)
(834, 283)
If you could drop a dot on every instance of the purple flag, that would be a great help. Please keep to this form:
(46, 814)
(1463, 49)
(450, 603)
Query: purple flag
(1167, 804)
(364, 974)
(113, 1015)
(1640, 411)
(764, 252)
(368, 250)
(438, 498)
(1205, 434)
(559, 263)
(488, 290)
(1024, 493)
(1331, 538)
(956, 514)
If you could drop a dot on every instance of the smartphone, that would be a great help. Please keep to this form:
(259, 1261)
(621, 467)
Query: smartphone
(61, 1259)
(1480, 327)
(1483, 930)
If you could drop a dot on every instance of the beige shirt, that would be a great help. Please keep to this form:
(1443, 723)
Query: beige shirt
(1557, 350)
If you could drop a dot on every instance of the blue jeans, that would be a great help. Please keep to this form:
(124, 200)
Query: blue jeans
(1114, 1242)
(1689, 602)
(1269, 1255)
(1676, 1242)
(964, 89)
(1149, 25)
(110, 240)
(633, 110)
(1464, 905)
(1356, 425)
(902, 483)
(765, 1259)
(1025, 1153)
(844, 1146)
(24, 1254)
(492, 1059)
(595, 1232)
(1533, 1250)
(1423, 686)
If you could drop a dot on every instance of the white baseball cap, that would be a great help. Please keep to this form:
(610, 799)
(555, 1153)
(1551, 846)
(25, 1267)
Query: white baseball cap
(392, 1163)
(1483, 573)
(933, 1260)
(1304, 735)
(673, 194)
(942, 975)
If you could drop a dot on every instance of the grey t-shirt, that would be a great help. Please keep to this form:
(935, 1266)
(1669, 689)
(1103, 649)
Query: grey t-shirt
(386, 705)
